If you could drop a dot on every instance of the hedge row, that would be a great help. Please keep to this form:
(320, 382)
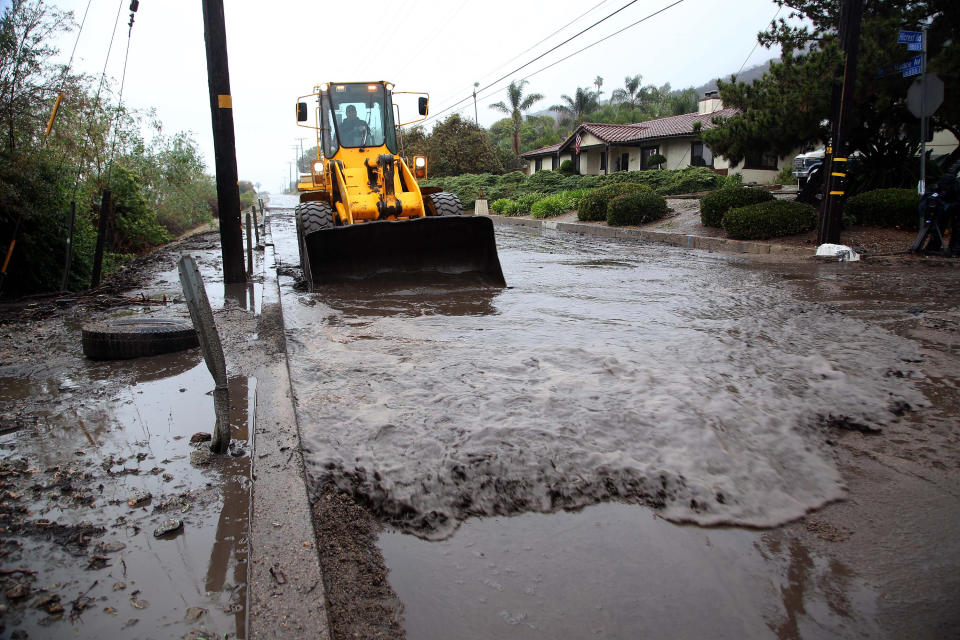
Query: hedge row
(771, 219)
(513, 185)
(896, 208)
(714, 205)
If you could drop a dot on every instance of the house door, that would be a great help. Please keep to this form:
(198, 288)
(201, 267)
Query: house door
(625, 162)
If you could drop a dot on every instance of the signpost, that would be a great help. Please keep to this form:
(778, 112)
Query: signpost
(923, 98)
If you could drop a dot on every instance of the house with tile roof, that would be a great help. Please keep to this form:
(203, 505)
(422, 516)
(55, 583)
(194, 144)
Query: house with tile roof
(596, 148)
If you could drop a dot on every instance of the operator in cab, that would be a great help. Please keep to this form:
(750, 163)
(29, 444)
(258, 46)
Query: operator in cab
(352, 128)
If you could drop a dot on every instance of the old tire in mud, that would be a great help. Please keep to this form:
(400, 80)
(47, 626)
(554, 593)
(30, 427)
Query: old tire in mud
(443, 204)
(123, 338)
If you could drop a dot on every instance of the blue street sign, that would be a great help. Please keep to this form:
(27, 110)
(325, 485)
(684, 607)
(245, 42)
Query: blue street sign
(915, 46)
(910, 37)
(911, 67)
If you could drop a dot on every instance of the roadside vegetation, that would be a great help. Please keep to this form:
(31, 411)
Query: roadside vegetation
(157, 178)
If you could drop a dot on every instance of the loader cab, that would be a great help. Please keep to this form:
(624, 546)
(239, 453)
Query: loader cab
(356, 116)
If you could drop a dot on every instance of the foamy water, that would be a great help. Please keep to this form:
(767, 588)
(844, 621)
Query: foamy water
(608, 371)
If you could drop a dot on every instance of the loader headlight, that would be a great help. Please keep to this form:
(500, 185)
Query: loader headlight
(318, 167)
(372, 88)
(389, 86)
(420, 167)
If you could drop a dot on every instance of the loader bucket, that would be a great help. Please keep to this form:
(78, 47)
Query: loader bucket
(457, 245)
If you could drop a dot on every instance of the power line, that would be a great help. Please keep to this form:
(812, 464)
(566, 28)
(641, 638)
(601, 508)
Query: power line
(757, 44)
(552, 64)
(555, 32)
(542, 55)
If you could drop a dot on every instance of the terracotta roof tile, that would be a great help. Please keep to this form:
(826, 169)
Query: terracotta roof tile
(681, 125)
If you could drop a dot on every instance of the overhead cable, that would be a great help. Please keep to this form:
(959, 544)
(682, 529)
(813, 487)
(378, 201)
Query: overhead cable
(579, 51)
(542, 55)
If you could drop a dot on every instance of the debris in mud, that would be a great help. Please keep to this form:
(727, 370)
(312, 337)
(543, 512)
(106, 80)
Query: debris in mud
(136, 602)
(167, 527)
(849, 424)
(361, 601)
(194, 614)
(98, 562)
(202, 457)
(139, 498)
(18, 591)
(197, 438)
(110, 547)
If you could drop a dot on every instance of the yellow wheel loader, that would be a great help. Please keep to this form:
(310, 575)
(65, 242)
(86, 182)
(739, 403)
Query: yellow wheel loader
(362, 212)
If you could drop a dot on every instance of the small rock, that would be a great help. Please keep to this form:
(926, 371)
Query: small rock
(167, 527)
(19, 590)
(201, 457)
(110, 547)
(110, 610)
(139, 498)
(54, 608)
(44, 599)
(119, 586)
(167, 477)
(194, 614)
(197, 438)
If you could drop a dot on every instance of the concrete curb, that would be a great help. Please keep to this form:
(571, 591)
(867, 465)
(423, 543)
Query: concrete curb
(642, 235)
(285, 594)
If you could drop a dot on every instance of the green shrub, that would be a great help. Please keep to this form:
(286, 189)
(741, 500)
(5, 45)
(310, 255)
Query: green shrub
(886, 208)
(512, 209)
(714, 205)
(655, 160)
(566, 167)
(527, 200)
(689, 180)
(771, 219)
(500, 205)
(593, 205)
(550, 206)
(636, 208)
(557, 204)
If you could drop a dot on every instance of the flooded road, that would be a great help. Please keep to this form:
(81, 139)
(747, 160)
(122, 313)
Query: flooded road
(609, 377)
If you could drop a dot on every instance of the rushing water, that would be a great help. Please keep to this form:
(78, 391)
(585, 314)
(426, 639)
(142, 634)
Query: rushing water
(606, 371)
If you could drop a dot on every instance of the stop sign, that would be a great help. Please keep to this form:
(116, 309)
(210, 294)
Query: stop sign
(934, 95)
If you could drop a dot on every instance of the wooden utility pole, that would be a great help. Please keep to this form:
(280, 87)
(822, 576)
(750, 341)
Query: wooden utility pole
(224, 142)
(838, 151)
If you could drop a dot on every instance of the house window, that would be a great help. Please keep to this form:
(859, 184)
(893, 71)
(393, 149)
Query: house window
(538, 164)
(603, 161)
(645, 153)
(700, 155)
(760, 160)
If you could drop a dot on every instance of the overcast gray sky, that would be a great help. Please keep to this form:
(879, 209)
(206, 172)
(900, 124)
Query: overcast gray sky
(279, 50)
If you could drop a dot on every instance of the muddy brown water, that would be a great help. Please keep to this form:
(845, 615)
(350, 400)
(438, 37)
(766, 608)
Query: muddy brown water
(91, 436)
(515, 439)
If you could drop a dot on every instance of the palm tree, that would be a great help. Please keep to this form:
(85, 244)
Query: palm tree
(630, 95)
(577, 107)
(599, 82)
(518, 104)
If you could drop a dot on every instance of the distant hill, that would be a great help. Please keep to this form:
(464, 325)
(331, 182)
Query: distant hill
(747, 75)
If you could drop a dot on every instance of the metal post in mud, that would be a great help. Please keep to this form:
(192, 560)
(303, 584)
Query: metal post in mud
(106, 211)
(202, 316)
(249, 247)
(256, 229)
(69, 258)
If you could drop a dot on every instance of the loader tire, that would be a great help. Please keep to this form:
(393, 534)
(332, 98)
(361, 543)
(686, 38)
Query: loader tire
(314, 216)
(444, 204)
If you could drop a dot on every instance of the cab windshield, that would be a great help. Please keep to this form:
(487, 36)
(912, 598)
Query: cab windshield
(362, 114)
